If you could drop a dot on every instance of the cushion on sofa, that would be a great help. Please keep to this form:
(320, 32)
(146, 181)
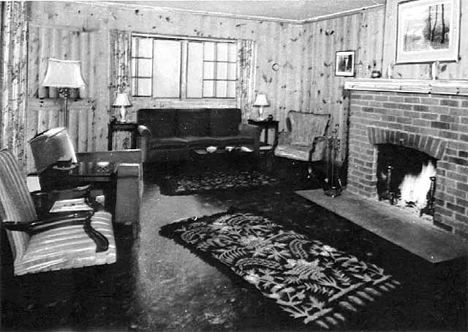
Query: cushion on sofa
(197, 142)
(224, 121)
(235, 141)
(192, 122)
(161, 122)
(167, 143)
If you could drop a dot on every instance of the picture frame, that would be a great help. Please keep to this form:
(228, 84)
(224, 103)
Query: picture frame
(428, 31)
(344, 63)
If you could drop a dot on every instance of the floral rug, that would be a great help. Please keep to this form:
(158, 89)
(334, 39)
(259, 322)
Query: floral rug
(195, 183)
(308, 279)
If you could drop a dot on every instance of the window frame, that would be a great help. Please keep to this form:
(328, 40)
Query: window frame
(183, 89)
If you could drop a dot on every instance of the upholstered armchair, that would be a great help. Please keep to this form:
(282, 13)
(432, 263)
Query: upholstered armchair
(64, 241)
(305, 138)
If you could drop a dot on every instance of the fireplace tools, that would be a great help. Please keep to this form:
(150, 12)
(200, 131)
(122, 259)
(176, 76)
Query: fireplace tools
(333, 186)
(392, 196)
(429, 208)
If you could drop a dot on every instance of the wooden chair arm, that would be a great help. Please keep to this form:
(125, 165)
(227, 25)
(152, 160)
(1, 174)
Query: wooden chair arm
(61, 220)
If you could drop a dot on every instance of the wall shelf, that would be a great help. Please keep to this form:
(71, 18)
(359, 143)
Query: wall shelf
(443, 87)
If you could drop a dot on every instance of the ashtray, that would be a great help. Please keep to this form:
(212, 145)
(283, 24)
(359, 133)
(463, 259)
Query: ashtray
(229, 148)
(211, 149)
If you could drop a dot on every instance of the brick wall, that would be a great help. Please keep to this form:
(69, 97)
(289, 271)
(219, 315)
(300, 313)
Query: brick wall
(434, 124)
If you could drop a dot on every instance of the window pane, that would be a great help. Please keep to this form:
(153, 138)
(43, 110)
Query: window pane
(195, 70)
(166, 70)
(221, 70)
(232, 52)
(231, 89)
(232, 71)
(144, 67)
(145, 47)
(221, 89)
(208, 70)
(222, 54)
(144, 86)
(134, 61)
(209, 51)
(208, 89)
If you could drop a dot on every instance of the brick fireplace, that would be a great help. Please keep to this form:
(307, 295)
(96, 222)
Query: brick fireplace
(419, 118)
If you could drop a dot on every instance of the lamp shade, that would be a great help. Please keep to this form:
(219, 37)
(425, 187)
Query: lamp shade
(122, 100)
(51, 146)
(64, 74)
(261, 100)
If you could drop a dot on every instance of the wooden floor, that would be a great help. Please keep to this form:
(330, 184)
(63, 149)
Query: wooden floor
(403, 228)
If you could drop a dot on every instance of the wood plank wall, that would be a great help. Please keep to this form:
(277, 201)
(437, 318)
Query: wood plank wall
(361, 32)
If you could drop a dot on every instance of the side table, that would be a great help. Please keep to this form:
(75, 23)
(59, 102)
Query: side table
(131, 128)
(266, 125)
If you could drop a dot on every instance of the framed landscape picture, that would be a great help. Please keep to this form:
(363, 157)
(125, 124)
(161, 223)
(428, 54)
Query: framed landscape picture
(344, 63)
(428, 31)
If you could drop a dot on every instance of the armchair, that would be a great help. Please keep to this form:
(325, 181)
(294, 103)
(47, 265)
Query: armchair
(67, 241)
(305, 139)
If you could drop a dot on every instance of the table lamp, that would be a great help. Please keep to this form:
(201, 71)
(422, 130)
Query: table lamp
(64, 75)
(122, 101)
(52, 148)
(260, 102)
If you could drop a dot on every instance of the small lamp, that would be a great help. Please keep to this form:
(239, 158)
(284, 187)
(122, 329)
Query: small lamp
(260, 102)
(64, 75)
(122, 101)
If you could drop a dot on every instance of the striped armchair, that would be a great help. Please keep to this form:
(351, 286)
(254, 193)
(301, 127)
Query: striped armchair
(65, 242)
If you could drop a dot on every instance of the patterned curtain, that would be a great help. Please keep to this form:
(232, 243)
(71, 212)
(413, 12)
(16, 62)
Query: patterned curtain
(14, 78)
(120, 60)
(247, 56)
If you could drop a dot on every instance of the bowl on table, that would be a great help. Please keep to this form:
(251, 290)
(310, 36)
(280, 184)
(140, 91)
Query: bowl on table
(211, 149)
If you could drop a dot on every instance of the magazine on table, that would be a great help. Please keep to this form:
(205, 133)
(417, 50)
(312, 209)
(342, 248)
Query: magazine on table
(70, 205)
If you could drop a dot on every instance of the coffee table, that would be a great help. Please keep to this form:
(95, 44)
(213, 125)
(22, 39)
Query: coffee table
(235, 156)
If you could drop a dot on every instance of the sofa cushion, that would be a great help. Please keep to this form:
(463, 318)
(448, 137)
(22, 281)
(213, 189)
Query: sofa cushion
(192, 122)
(224, 121)
(167, 143)
(161, 122)
(197, 142)
(235, 141)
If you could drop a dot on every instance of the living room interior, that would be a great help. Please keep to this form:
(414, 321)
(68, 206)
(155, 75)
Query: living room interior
(327, 139)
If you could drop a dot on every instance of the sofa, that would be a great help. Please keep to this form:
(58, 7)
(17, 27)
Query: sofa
(170, 134)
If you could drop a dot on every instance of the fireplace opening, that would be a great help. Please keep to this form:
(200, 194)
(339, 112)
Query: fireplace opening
(406, 177)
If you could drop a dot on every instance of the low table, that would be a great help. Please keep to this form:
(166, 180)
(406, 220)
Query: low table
(233, 156)
(104, 178)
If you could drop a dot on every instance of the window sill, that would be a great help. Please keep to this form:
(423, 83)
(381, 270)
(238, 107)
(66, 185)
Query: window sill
(443, 87)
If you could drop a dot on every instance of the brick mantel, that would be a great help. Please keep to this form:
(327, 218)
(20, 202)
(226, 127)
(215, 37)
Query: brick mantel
(442, 87)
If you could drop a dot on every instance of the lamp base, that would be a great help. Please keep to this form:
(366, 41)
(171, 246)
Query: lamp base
(123, 114)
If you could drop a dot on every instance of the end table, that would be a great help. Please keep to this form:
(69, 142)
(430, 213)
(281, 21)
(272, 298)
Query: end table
(115, 127)
(266, 125)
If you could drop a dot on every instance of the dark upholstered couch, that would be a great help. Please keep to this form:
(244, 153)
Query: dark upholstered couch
(170, 134)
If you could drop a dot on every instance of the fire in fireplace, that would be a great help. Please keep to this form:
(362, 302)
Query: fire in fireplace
(406, 177)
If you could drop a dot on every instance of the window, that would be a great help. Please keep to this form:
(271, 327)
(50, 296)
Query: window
(183, 68)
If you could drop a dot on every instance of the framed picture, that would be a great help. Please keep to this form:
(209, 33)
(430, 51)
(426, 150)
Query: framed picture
(344, 63)
(428, 31)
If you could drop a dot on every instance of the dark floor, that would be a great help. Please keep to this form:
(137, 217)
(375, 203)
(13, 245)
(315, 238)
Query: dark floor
(157, 285)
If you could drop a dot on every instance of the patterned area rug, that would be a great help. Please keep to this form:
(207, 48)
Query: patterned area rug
(308, 279)
(196, 183)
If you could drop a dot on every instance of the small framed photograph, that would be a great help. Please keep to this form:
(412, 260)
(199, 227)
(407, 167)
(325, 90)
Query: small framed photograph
(428, 30)
(344, 63)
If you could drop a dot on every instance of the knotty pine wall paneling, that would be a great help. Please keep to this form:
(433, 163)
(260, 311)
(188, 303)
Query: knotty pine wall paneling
(322, 39)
